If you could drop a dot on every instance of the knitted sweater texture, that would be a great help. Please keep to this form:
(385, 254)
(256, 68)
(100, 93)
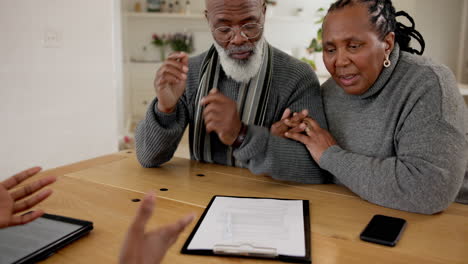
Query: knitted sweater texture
(294, 85)
(403, 143)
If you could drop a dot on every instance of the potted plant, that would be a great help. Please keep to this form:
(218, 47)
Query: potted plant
(316, 43)
(160, 41)
(181, 42)
(315, 47)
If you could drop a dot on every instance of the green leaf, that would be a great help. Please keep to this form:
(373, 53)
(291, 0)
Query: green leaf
(310, 62)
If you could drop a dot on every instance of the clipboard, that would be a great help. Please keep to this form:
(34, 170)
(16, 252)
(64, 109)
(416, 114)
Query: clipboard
(40, 238)
(245, 249)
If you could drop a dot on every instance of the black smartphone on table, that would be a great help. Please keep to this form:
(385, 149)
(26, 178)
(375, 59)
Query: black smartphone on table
(384, 230)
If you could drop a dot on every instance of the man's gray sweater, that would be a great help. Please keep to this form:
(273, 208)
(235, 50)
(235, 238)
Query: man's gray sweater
(294, 85)
(402, 144)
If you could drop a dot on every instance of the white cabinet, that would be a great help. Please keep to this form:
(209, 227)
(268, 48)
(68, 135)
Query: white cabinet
(463, 89)
(142, 60)
(141, 77)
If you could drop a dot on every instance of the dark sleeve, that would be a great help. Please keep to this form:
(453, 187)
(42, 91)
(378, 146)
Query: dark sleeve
(285, 159)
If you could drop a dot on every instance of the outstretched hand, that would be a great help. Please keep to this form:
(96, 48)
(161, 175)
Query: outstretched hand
(13, 202)
(142, 247)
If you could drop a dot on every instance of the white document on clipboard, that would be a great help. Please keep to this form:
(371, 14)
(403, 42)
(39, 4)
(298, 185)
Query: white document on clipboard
(268, 227)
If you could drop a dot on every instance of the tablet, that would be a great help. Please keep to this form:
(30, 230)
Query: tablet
(39, 239)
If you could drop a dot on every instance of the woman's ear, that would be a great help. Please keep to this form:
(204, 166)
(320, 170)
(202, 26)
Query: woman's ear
(389, 43)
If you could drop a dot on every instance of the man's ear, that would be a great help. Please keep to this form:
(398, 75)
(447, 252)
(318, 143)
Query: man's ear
(206, 15)
(389, 43)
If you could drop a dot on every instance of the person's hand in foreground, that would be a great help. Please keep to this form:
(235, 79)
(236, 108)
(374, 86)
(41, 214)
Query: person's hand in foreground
(150, 247)
(13, 202)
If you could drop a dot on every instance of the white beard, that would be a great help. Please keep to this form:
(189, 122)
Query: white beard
(242, 70)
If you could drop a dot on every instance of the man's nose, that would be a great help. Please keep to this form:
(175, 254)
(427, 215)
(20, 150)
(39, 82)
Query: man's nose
(239, 38)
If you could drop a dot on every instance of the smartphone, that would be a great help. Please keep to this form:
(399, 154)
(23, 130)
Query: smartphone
(384, 230)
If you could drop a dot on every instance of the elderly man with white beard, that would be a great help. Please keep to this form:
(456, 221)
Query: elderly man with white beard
(237, 97)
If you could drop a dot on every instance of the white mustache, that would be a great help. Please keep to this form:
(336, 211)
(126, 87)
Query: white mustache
(245, 48)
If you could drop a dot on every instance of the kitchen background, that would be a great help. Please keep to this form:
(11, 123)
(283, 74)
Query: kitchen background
(76, 76)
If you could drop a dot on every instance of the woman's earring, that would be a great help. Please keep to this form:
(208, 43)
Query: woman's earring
(387, 62)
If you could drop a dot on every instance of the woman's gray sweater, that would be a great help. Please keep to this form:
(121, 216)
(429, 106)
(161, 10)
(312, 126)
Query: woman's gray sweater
(402, 144)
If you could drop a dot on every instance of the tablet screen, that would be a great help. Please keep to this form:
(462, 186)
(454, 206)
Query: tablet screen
(18, 242)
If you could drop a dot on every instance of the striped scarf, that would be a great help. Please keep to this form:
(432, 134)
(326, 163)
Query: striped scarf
(252, 102)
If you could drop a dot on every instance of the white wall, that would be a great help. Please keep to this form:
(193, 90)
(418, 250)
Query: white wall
(463, 63)
(57, 105)
(294, 35)
(440, 23)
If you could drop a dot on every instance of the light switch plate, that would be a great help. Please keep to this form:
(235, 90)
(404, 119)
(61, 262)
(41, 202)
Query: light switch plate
(52, 39)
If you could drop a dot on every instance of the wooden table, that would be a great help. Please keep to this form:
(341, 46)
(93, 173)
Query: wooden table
(101, 190)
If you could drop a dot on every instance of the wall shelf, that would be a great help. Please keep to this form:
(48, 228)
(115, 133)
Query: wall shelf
(157, 15)
(463, 89)
(163, 15)
(150, 62)
(290, 19)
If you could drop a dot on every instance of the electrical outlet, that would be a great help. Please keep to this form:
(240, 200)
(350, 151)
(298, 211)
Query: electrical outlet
(52, 39)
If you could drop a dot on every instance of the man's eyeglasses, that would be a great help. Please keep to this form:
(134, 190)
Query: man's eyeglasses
(248, 31)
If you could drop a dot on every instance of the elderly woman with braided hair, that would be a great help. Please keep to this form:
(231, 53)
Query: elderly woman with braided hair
(397, 122)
